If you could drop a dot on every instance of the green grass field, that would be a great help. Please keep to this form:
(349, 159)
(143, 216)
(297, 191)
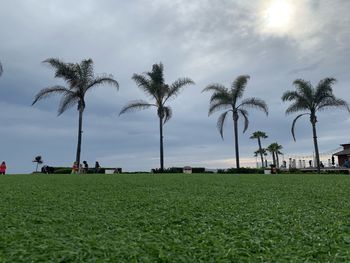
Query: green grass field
(175, 218)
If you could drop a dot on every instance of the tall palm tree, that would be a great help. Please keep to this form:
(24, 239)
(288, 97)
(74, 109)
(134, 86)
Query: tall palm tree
(228, 100)
(259, 135)
(153, 84)
(275, 150)
(310, 100)
(80, 79)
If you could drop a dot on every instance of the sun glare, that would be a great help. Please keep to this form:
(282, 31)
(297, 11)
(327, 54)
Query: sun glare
(278, 15)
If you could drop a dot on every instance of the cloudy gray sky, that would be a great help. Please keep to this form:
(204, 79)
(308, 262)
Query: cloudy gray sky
(274, 41)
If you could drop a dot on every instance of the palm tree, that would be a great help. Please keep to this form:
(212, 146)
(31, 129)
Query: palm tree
(261, 152)
(278, 152)
(38, 160)
(227, 100)
(153, 84)
(275, 150)
(271, 149)
(310, 100)
(80, 79)
(1, 69)
(259, 135)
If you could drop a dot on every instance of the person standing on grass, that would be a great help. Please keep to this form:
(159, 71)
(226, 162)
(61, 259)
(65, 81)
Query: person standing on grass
(3, 168)
(75, 168)
(97, 167)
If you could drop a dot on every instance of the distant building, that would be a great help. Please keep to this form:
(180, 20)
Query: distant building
(343, 156)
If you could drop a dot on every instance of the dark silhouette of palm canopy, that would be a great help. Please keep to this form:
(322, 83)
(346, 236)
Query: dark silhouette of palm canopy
(80, 79)
(259, 135)
(153, 84)
(310, 100)
(275, 150)
(228, 100)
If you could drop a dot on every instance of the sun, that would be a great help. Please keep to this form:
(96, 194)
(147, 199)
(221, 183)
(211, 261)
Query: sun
(278, 15)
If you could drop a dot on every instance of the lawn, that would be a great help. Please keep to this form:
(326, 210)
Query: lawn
(175, 218)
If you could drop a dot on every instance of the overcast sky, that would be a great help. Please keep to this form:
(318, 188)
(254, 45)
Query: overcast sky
(275, 42)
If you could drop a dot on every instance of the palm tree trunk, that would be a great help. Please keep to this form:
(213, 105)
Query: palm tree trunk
(277, 160)
(161, 144)
(313, 122)
(235, 124)
(36, 169)
(79, 138)
(273, 158)
(261, 154)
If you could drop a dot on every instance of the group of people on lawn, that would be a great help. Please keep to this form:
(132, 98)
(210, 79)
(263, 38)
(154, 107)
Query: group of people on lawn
(85, 168)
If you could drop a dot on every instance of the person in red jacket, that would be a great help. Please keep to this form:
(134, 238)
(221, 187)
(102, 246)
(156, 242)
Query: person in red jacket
(75, 168)
(3, 168)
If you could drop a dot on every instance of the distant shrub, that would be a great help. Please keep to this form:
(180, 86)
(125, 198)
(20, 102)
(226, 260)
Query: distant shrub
(62, 171)
(241, 171)
(198, 170)
(166, 171)
(174, 170)
(337, 172)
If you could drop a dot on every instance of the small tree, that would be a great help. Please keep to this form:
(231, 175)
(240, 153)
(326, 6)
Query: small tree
(38, 160)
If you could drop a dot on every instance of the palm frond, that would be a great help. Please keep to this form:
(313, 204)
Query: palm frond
(324, 90)
(296, 107)
(136, 106)
(290, 95)
(176, 87)
(167, 113)
(333, 102)
(305, 89)
(214, 107)
(103, 80)
(87, 69)
(67, 71)
(144, 84)
(220, 123)
(254, 103)
(47, 92)
(239, 85)
(300, 100)
(70, 72)
(294, 122)
(69, 100)
(221, 97)
(216, 88)
(244, 114)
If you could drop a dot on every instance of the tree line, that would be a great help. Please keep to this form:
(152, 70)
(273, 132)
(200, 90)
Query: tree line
(80, 78)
